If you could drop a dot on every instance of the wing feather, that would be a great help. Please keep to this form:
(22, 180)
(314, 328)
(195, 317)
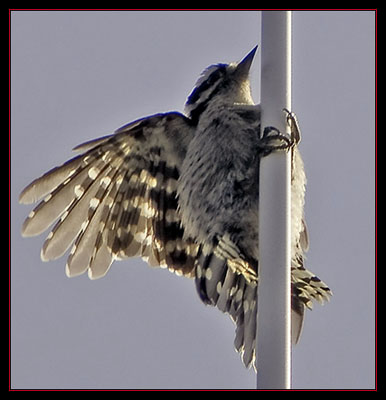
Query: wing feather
(116, 200)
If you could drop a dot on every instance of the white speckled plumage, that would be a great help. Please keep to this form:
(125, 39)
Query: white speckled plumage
(181, 191)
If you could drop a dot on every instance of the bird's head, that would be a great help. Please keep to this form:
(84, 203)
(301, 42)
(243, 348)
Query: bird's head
(223, 83)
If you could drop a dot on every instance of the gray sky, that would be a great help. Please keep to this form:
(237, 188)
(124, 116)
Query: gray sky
(80, 75)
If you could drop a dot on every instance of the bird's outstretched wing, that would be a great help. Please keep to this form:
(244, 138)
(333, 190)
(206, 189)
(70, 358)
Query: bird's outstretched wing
(117, 199)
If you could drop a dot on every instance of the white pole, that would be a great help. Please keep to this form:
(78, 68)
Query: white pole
(274, 291)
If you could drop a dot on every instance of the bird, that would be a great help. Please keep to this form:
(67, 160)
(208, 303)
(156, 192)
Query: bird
(181, 191)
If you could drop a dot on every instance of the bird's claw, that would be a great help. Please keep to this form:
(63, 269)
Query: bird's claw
(273, 140)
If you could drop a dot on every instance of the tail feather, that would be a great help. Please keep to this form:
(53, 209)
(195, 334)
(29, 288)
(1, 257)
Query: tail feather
(228, 290)
(230, 284)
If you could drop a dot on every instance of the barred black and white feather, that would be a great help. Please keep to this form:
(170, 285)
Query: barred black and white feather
(116, 200)
(180, 191)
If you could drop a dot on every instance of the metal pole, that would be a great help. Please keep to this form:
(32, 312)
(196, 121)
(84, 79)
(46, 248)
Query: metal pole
(274, 292)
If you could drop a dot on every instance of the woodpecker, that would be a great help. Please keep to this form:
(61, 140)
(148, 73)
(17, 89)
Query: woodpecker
(181, 191)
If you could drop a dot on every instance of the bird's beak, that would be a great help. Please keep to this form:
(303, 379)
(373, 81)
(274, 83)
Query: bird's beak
(244, 65)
